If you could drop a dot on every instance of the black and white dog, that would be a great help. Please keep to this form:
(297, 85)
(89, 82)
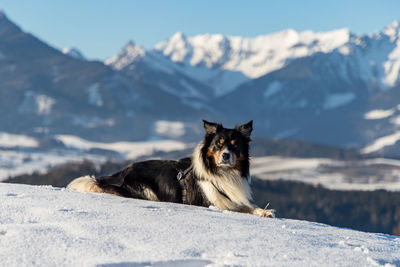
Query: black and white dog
(217, 174)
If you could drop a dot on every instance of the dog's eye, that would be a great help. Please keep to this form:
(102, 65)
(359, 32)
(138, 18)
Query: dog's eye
(220, 142)
(233, 143)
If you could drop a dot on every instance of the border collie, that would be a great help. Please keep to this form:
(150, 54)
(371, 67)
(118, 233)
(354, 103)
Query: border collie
(217, 174)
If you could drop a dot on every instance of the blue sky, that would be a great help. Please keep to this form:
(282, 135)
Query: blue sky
(99, 28)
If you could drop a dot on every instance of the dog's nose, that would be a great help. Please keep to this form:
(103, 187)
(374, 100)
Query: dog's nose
(226, 156)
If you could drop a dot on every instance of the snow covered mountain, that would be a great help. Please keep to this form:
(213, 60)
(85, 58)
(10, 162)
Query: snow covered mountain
(158, 71)
(73, 52)
(49, 226)
(304, 85)
(44, 91)
(317, 87)
(224, 62)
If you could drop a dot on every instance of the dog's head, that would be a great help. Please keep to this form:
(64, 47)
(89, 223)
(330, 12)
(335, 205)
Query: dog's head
(227, 148)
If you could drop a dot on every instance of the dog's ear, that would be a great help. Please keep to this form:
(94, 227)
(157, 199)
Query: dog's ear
(245, 129)
(211, 128)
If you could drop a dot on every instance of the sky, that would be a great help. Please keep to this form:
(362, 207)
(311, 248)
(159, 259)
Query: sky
(100, 28)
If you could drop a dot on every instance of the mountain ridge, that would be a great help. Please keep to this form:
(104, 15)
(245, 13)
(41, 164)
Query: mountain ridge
(316, 87)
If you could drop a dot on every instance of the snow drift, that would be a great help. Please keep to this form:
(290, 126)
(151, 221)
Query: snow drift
(49, 226)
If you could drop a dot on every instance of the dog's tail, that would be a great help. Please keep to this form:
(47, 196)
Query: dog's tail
(85, 184)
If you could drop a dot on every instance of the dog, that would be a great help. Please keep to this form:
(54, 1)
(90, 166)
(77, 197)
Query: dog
(217, 174)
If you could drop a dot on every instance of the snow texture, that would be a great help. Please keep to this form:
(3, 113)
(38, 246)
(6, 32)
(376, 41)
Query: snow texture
(8, 140)
(130, 150)
(18, 162)
(379, 114)
(208, 55)
(46, 226)
(382, 142)
(170, 129)
(22, 154)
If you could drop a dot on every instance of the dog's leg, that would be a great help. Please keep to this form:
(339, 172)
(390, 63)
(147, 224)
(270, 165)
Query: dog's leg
(269, 213)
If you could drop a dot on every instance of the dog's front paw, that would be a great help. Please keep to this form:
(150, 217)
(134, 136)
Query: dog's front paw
(264, 213)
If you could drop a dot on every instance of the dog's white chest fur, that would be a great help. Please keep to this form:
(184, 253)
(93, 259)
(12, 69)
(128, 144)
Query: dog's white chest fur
(227, 190)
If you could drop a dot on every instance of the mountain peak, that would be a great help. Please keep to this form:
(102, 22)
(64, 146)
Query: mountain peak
(3, 16)
(6, 25)
(178, 36)
(130, 52)
(73, 52)
(133, 50)
(392, 30)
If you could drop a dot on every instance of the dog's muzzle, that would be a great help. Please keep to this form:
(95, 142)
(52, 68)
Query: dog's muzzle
(226, 159)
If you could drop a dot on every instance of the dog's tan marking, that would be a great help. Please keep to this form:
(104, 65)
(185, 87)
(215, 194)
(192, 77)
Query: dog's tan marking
(233, 142)
(215, 156)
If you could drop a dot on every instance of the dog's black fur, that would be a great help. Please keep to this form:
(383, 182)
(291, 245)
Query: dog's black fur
(217, 174)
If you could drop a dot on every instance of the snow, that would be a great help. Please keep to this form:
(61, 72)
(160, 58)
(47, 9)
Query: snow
(379, 114)
(272, 89)
(265, 53)
(212, 55)
(225, 62)
(92, 122)
(39, 103)
(8, 140)
(48, 226)
(21, 154)
(376, 173)
(170, 129)
(382, 142)
(74, 53)
(44, 104)
(129, 150)
(14, 163)
(337, 100)
(392, 65)
(129, 53)
(94, 95)
(395, 120)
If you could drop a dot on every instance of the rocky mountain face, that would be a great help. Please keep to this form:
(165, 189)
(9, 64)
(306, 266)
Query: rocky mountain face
(336, 87)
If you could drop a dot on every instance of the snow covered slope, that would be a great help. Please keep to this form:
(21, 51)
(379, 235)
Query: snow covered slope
(48, 226)
(21, 154)
(364, 174)
(226, 61)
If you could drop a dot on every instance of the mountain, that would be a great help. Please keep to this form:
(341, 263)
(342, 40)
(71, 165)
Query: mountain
(51, 226)
(224, 62)
(317, 87)
(325, 97)
(43, 90)
(73, 52)
(154, 69)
